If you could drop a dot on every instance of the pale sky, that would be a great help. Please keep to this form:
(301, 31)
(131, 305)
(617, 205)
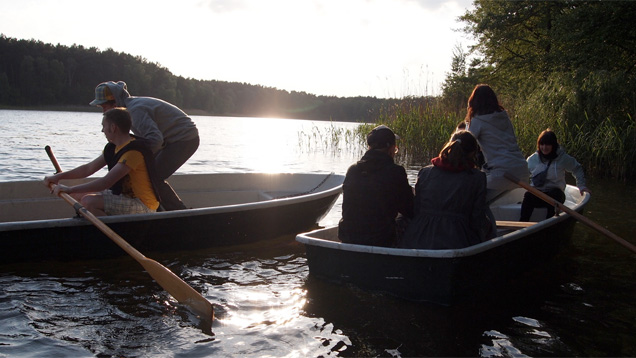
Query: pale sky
(382, 48)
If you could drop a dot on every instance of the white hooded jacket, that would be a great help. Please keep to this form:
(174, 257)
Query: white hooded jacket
(556, 171)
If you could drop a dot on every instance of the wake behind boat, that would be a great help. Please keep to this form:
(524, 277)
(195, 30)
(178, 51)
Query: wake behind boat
(445, 276)
(225, 209)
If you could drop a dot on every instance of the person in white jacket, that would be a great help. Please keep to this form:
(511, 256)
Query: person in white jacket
(488, 121)
(547, 167)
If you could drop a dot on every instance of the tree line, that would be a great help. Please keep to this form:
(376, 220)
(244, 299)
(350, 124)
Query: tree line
(37, 74)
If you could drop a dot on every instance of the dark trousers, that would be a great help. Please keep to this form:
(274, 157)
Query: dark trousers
(167, 161)
(530, 201)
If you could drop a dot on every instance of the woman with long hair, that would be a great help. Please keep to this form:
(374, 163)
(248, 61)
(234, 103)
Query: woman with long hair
(547, 167)
(488, 121)
(450, 199)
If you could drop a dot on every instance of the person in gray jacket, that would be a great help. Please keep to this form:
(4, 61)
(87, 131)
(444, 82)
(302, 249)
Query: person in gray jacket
(172, 135)
(450, 200)
(488, 121)
(547, 167)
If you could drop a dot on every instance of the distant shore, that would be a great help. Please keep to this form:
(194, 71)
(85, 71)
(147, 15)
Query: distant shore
(91, 109)
(53, 108)
(193, 112)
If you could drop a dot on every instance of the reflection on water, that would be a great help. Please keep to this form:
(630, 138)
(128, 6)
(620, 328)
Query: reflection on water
(112, 308)
(581, 304)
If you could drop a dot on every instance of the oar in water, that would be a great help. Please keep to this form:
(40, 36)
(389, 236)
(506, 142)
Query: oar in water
(538, 193)
(170, 282)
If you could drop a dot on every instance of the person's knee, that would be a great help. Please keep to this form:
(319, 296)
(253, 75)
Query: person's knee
(92, 203)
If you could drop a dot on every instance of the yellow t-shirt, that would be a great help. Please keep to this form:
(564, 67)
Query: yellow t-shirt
(137, 183)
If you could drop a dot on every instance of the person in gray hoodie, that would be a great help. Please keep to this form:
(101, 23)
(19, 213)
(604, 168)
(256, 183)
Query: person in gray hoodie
(171, 134)
(547, 167)
(450, 200)
(488, 121)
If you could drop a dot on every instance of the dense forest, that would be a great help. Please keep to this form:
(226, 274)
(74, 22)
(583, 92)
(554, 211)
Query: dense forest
(36, 74)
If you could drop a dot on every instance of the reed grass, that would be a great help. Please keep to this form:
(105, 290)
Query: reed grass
(333, 140)
(606, 147)
(423, 126)
(604, 144)
(594, 122)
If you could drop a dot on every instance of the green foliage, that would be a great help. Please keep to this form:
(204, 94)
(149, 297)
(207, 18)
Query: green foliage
(566, 65)
(423, 124)
(459, 82)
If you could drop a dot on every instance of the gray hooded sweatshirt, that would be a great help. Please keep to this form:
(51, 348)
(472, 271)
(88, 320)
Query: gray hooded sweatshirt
(158, 121)
(498, 142)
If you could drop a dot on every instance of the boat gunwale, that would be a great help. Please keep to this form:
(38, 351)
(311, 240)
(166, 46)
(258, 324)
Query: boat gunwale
(309, 240)
(274, 202)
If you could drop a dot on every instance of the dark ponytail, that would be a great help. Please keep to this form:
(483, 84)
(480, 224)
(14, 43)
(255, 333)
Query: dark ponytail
(460, 151)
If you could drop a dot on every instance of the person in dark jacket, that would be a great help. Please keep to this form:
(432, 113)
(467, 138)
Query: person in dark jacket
(450, 200)
(375, 191)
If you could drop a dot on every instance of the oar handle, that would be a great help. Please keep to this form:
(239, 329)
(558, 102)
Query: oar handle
(49, 152)
(541, 195)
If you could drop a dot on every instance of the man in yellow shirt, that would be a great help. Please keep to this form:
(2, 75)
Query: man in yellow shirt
(129, 186)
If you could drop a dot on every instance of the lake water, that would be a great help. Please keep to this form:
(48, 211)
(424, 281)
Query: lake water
(583, 303)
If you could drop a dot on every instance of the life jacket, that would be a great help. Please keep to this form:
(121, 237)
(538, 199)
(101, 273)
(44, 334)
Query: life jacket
(141, 145)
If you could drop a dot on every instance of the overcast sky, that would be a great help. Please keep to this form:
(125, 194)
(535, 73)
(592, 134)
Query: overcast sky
(382, 48)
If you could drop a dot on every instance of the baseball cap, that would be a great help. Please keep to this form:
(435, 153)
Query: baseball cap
(381, 137)
(102, 95)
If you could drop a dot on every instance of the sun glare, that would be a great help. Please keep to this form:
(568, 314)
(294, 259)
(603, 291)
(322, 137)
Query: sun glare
(258, 308)
(272, 145)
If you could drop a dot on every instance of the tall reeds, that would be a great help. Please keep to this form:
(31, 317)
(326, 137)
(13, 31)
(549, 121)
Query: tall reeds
(604, 143)
(423, 126)
(333, 140)
(605, 146)
(593, 117)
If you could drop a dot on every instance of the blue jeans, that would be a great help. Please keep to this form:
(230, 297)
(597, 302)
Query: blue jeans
(167, 161)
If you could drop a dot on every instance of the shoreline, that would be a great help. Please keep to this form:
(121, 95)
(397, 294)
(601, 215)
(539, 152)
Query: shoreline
(192, 112)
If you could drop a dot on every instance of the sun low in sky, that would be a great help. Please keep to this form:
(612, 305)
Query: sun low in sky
(381, 48)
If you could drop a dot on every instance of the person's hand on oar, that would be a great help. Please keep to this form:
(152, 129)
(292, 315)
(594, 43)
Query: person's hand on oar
(170, 282)
(52, 182)
(574, 214)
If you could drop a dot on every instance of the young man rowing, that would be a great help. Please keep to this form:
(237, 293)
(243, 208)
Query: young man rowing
(129, 186)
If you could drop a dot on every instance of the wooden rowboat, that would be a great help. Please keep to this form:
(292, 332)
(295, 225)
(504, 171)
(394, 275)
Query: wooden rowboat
(226, 209)
(445, 276)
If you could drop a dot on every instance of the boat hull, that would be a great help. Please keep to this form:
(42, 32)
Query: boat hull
(439, 276)
(236, 224)
(433, 279)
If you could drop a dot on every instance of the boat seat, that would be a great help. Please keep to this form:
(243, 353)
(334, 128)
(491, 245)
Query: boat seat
(511, 212)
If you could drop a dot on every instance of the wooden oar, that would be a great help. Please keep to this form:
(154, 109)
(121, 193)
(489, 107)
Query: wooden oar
(170, 282)
(49, 152)
(515, 224)
(538, 193)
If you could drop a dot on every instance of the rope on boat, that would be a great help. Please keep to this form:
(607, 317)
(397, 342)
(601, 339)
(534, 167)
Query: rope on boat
(307, 192)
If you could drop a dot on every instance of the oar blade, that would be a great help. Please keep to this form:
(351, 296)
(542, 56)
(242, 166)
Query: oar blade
(178, 289)
(175, 286)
